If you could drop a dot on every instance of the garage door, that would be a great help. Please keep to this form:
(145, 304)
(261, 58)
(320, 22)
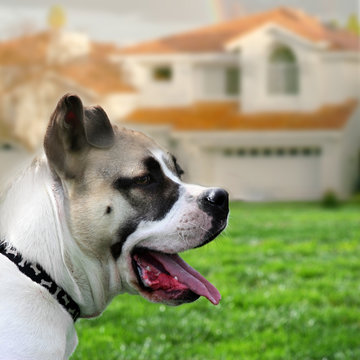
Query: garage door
(270, 174)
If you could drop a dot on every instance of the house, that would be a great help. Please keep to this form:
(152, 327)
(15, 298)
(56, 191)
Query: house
(266, 105)
(35, 71)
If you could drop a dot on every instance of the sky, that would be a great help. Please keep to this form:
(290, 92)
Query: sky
(129, 21)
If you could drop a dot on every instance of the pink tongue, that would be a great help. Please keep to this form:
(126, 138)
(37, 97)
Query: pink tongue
(176, 266)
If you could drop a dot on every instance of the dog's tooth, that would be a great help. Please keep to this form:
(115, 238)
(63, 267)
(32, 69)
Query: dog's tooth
(175, 277)
(139, 270)
(143, 281)
(148, 268)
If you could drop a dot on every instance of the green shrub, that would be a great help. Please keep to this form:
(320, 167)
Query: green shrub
(330, 199)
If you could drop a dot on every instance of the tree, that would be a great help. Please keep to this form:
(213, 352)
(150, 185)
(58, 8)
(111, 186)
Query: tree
(56, 17)
(353, 24)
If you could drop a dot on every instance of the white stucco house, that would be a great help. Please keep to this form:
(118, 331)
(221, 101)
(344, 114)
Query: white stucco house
(266, 105)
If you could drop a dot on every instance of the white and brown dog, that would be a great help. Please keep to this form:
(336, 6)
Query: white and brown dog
(103, 212)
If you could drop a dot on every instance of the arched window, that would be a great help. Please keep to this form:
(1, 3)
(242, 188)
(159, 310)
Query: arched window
(283, 71)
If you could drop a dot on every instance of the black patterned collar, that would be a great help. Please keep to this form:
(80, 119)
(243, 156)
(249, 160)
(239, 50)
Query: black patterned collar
(37, 274)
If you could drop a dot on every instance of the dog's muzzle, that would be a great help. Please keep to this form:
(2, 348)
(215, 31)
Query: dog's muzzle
(215, 203)
(164, 277)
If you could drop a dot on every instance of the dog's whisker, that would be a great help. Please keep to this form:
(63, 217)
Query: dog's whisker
(200, 227)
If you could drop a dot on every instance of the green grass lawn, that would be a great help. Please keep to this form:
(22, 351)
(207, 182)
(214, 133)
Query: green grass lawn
(289, 276)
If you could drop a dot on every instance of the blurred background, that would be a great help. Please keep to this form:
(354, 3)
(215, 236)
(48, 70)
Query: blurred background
(260, 97)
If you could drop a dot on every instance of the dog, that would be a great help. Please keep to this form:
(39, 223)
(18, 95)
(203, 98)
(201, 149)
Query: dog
(103, 211)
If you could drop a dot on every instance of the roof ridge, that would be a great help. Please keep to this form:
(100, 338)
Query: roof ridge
(214, 37)
(225, 23)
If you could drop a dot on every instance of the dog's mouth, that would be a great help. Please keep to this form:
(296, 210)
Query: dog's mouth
(168, 278)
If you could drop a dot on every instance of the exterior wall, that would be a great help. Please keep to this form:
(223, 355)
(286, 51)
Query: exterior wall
(349, 156)
(197, 163)
(214, 65)
(12, 160)
(331, 171)
(211, 159)
(178, 91)
(186, 85)
(340, 77)
(253, 58)
(117, 106)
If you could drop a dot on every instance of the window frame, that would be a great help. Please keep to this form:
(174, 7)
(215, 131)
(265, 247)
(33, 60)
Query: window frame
(283, 72)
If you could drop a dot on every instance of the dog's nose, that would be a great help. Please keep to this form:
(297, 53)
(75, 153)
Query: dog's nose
(215, 200)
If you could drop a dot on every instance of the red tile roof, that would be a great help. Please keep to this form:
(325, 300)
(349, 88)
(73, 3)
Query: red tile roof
(225, 116)
(215, 37)
(29, 54)
(25, 50)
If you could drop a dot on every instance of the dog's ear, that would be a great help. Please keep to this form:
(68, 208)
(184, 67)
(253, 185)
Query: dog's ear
(72, 129)
(98, 130)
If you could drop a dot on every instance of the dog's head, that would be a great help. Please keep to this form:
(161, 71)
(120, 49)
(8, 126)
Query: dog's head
(127, 207)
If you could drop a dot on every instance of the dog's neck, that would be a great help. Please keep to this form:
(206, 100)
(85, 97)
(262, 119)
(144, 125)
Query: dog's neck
(32, 220)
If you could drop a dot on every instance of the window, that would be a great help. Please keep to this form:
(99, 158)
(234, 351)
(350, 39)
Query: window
(232, 81)
(162, 73)
(254, 152)
(283, 71)
(241, 152)
(267, 152)
(273, 152)
(6, 147)
(228, 152)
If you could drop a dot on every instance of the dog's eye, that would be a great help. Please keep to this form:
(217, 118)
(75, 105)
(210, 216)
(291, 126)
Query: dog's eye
(178, 168)
(143, 180)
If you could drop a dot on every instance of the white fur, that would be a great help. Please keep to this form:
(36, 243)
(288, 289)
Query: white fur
(32, 324)
(28, 311)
